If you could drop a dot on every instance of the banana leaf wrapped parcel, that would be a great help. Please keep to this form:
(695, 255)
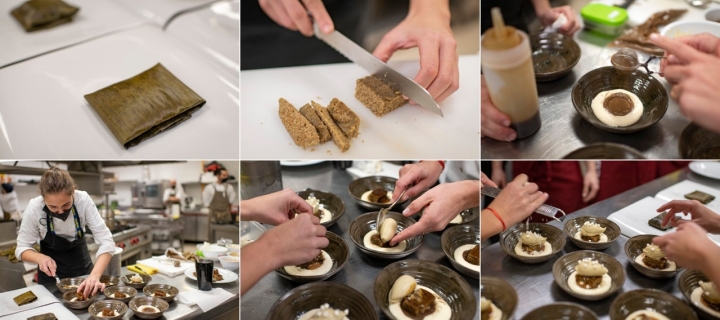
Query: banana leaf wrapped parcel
(36, 15)
(145, 105)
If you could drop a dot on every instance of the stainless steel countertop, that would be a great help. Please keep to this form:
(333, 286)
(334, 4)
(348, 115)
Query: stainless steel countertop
(563, 130)
(177, 310)
(535, 284)
(360, 270)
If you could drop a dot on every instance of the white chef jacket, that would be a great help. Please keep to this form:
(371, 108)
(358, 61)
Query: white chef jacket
(9, 201)
(460, 170)
(209, 192)
(34, 225)
(169, 192)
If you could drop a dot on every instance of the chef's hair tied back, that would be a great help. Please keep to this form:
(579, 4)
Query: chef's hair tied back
(56, 180)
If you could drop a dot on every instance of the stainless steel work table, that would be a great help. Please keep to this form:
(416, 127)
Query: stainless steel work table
(360, 270)
(535, 284)
(177, 310)
(563, 130)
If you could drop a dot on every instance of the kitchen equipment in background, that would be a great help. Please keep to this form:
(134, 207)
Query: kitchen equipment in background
(188, 201)
(148, 194)
(114, 267)
(259, 178)
(604, 19)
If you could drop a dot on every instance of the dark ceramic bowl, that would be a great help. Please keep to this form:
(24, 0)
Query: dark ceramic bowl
(659, 301)
(699, 143)
(634, 247)
(67, 296)
(126, 280)
(456, 236)
(362, 185)
(170, 291)
(572, 226)
(119, 307)
(510, 238)
(138, 302)
(468, 215)
(605, 150)
(553, 54)
(129, 291)
(565, 266)
(109, 281)
(648, 89)
(311, 296)
(69, 282)
(688, 282)
(330, 201)
(561, 310)
(500, 293)
(366, 223)
(446, 283)
(338, 251)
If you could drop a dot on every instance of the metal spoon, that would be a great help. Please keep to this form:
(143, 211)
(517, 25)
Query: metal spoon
(57, 279)
(381, 214)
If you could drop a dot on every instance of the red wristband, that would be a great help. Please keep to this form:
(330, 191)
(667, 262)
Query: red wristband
(497, 215)
(442, 164)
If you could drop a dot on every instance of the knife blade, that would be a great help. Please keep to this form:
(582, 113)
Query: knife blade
(376, 67)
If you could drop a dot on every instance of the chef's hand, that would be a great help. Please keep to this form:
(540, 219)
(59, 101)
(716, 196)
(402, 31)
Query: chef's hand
(703, 42)
(485, 181)
(518, 200)
(416, 178)
(442, 203)
(293, 14)
(689, 246)
(296, 241)
(700, 214)
(494, 123)
(498, 174)
(591, 185)
(548, 16)
(47, 265)
(274, 208)
(90, 286)
(694, 79)
(429, 31)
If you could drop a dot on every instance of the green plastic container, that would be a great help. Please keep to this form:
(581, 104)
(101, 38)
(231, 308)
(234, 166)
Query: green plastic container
(601, 18)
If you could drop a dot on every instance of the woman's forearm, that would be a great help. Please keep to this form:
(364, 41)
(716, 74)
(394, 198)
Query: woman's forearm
(490, 225)
(256, 260)
(101, 264)
(30, 256)
(432, 7)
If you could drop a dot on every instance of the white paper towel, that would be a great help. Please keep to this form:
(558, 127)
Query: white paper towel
(206, 300)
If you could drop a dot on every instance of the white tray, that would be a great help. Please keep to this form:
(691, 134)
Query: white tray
(8, 306)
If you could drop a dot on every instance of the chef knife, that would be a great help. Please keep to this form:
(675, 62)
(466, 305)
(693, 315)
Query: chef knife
(376, 67)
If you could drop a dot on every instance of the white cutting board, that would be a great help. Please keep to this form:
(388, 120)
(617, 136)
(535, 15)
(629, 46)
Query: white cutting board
(166, 269)
(407, 132)
(95, 18)
(43, 112)
(680, 189)
(633, 219)
(8, 306)
(159, 12)
(57, 308)
(641, 10)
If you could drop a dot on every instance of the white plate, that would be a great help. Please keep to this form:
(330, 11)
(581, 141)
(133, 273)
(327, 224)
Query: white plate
(299, 163)
(228, 276)
(160, 11)
(680, 189)
(56, 308)
(706, 168)
(684, 28)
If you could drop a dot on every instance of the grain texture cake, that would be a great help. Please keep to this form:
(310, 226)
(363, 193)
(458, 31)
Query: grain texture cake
(345, 118)
(341, 141)
(378, 96)
(300, 129)
(320, 126)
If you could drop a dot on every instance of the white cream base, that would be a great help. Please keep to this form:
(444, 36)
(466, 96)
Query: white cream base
(326, 216)
(323, 269)
(649, 313)
(309, 314)
(365, 197)
(603, 237)
(442, 309)
(458, 255)
(400, 247)
(695, 298)
(458, 219)
(519, 251)
(602, 288)
(671, 265)
(612, 120)
(495, 312)
(155, 310)
(99, 314)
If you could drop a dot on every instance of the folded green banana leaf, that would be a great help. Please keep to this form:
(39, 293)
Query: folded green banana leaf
(43, 14)
(46, 316)
(145, 105)
(25, 298)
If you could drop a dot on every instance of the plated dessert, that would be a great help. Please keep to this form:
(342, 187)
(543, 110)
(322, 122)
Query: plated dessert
(378, 195)
(592, 232)
(107, 312)
(488, 310)
(216, 276)
(532, 244)
(319, 209)
(646, 315)
(408, 301)
(707, 297)
(468, 255)
(654, 258)
(78, 297)
(380, 241)
(319, 265)
(325, 312)
(617, 108)
(590, 278)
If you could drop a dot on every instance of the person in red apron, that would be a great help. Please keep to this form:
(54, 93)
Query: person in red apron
(619, 176)
(58, 218)
(218, 196)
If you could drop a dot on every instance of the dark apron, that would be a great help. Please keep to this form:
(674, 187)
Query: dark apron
(562, 180)
(219, 207)
(71, 257)
(512, 11)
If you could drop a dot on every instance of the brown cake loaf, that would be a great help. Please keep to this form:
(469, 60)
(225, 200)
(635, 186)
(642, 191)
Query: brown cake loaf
(345, 118)
(338, 136)
(321, 128)
(378, 96)
(300, 129)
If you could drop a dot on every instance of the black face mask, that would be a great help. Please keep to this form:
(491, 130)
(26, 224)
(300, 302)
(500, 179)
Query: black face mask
(225, 180)
(62, 216)
(172, 187)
